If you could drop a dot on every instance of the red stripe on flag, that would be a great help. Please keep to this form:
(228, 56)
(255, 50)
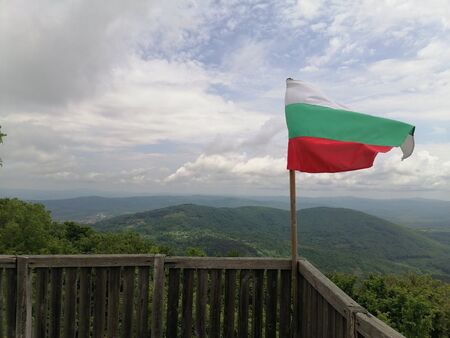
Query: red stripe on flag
(320, 155)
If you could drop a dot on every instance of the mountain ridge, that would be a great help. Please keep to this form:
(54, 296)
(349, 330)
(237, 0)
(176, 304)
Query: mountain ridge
(420, 213)
(333, 238)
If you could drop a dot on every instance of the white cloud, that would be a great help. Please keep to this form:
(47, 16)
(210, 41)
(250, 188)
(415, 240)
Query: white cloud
(87, 88)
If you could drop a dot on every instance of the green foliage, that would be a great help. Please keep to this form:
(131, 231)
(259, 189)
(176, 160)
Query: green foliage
(328, 237)
(27, 228)
(416, 305)
(195, 252)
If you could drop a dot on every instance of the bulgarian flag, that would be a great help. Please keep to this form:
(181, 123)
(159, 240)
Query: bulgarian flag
(326, 137)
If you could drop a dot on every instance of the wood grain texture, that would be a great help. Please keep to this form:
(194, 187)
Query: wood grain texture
(214, 303)
(158, 297)
(172, 303)
(84, 309)
(188, 289)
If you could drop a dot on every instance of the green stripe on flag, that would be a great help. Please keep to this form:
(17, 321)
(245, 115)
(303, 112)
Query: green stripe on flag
(343, 125)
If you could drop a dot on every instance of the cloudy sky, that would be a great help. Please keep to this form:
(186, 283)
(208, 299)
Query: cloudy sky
(147, 97)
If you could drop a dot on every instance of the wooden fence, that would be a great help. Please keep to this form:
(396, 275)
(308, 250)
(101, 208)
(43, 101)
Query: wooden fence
(157, 296)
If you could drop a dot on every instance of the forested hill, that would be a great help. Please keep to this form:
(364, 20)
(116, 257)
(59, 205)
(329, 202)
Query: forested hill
(421, 213)
(332, 238)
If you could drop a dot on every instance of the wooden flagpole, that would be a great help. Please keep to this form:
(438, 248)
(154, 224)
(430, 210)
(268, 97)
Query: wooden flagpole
(294, 254)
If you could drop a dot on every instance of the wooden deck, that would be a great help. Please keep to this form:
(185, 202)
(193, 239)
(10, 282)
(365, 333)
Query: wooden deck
(158, 296)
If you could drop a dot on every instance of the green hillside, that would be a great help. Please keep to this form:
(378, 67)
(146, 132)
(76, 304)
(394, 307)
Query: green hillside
(334, 239)
(418, 213)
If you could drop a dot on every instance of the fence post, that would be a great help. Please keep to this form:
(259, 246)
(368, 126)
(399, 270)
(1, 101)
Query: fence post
(23, 312)
(158, 293)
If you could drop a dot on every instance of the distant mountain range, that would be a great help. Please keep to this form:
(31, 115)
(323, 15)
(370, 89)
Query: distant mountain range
(335, 239)
(421, 213)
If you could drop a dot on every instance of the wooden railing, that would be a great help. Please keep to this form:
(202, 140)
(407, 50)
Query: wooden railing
(157, 296)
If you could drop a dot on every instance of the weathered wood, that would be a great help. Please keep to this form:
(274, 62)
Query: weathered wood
(128, 301)
(314, 315)
(24, 305)
(324, 324)
(84, 309)
(142, 306)
(285, 304)
(158, 294)
(244, 297)
(228, 263)
(70, 301)
(1, 302)
(258, 304)
(172, 303)
(271, 303)
(319, 315)
(304, 310)
(99, 303)
(332, 321)
(7, 262)
(188, 288)
(370, 326)
(333, 294)
(112, 326)
(11, 289)
(55, 302)
(200, 307)
(308, 307)
(214, 307)
(229, 303)
(39, 261)
(338, 327)
(40, 327)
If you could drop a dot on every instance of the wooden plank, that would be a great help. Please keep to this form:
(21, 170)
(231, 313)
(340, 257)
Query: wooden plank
(11, 289)
(304, 311)
(142, 306)
(332, 321)
(214, 307)
(24, 305)
(370, 326)
(308, 310)
(229, 303)
(112, 326)
(244, 298)
(271, 303)
(285, 304)
(228, 263)
(128, 301)
(333, 294)
(200, 306)
(172, 303)
(258, 304)
(7, 262)
(338, 327)
(99, 303)
(158, 297)
(41, 306)
(188, 288)
(319, 315)
(314, 296)
(55, 302)
(1, 302)
(84, 310)
(38, 261)
(70, 301)
(324, 324)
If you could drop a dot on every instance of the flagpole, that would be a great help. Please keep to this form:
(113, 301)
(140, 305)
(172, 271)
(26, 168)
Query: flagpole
(294, 254)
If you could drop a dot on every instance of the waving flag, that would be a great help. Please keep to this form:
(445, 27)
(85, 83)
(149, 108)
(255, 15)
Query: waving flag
(326, 137)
